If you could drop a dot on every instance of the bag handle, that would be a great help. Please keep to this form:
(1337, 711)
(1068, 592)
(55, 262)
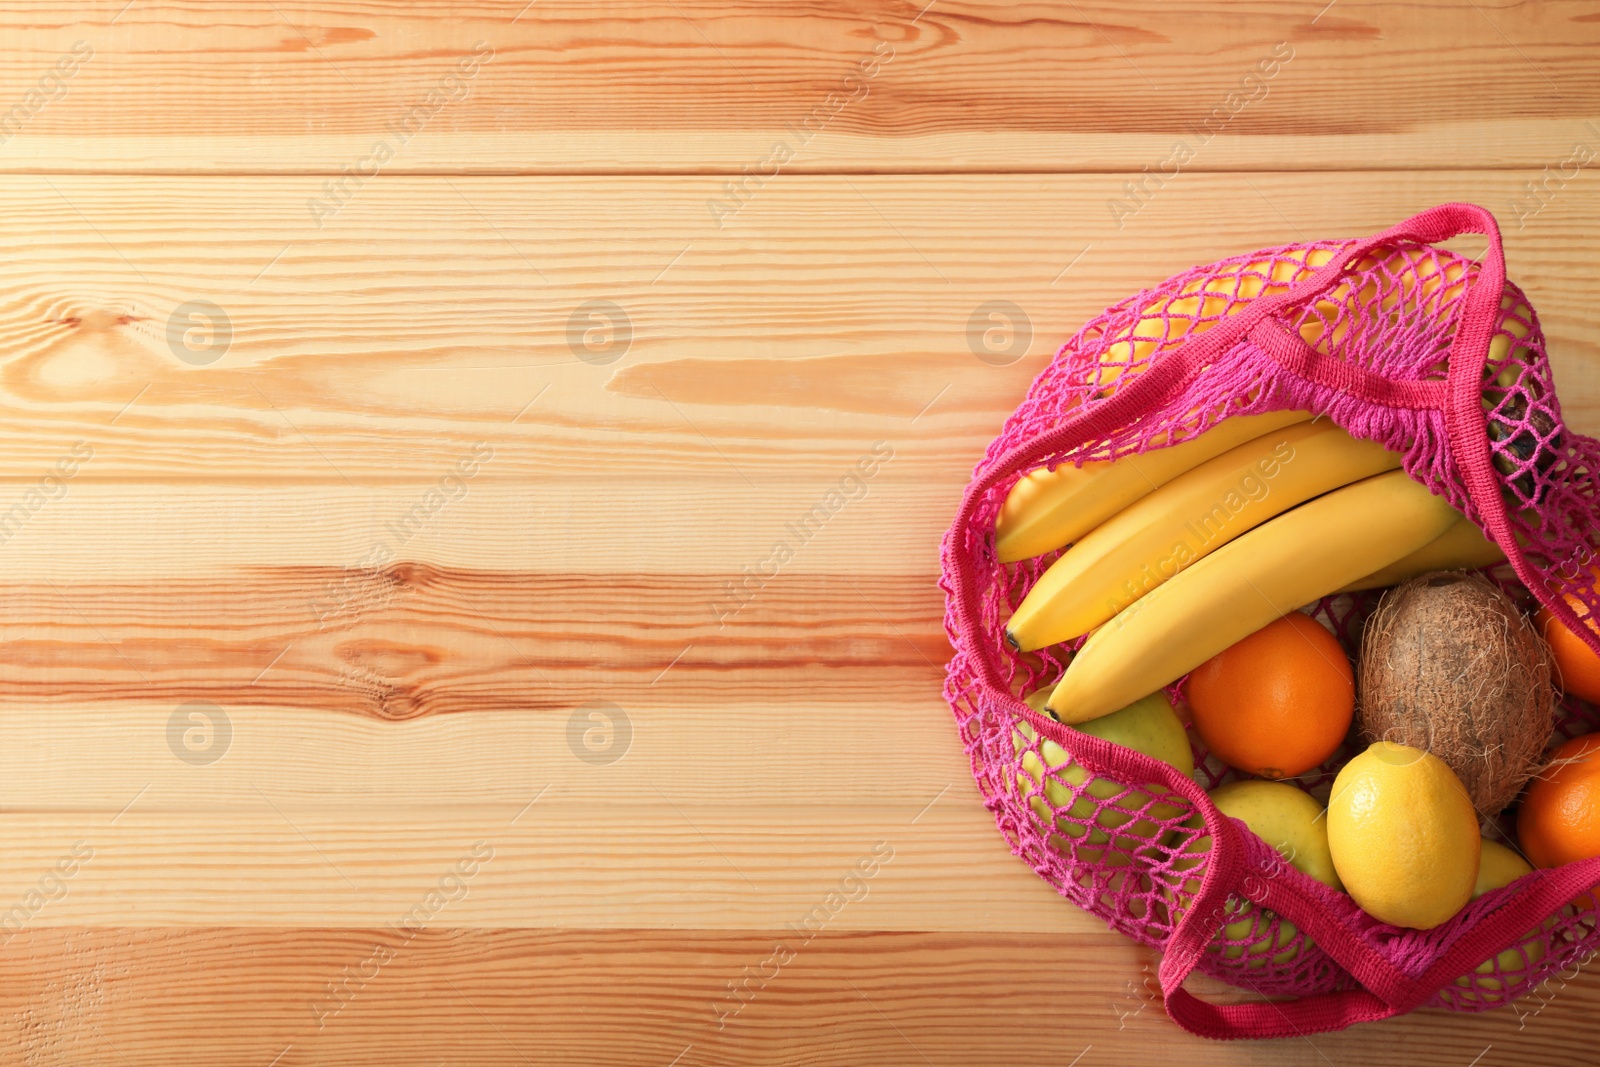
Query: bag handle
(1466, 424)
(1545, 892)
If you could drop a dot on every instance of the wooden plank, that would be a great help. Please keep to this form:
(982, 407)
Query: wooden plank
(690, 85)
(436, 316)
(672, 858)
(277, 813)
(209, 995)
(542, 524)
(408, 640)
(785, 750)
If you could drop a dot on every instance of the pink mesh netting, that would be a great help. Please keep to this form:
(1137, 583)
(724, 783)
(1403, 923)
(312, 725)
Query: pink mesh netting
(1434, 355)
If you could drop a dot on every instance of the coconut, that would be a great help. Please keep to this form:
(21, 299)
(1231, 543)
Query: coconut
(1450, 665)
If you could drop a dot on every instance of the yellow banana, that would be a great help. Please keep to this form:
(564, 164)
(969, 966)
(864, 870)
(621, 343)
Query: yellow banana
(1515, 316)
(1298, 557)
(1204, 302)
(1185, 520)
(1525, 432)
(1462, 547)
(1048, 509)
(1200, 305)
(1422, 284)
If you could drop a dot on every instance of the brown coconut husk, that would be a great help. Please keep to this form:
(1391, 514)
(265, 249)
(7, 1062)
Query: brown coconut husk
(1450, 665)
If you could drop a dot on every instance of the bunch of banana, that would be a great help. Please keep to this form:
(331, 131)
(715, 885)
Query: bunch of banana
(1220, 549)
(1301, 556)
(1461, 547)
(1047, 509)
(1185, 520)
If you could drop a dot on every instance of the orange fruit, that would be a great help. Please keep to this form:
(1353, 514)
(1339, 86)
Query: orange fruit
(1576, 662)
(1560, 817)
(1277, 703)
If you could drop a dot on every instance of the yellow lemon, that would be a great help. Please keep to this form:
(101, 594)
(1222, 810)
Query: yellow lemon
(1499, 866)
(1109, 808)
(1404, 836)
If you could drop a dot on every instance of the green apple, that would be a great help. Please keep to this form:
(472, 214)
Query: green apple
(1499, 866)
(1286, 818)
(1086, 818)
(1292, 822)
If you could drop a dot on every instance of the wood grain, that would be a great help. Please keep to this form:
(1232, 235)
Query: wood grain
(551, 525)
(434, 316)
(672, 858)
(91, 761)
(409, 640)
(649, 86)
(513, 997)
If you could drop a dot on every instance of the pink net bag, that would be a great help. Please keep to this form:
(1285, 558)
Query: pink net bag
(1437, 357)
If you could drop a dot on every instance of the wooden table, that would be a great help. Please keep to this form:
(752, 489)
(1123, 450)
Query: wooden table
(395, 395)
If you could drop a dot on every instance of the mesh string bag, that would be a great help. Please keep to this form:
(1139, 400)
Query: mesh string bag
(1437, 357)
